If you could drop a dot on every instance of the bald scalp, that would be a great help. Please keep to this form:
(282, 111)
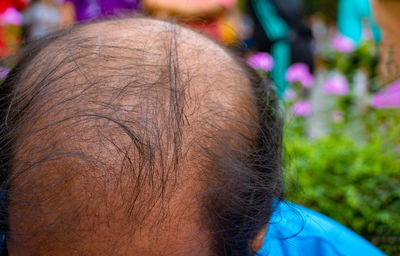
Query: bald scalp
(136, 132)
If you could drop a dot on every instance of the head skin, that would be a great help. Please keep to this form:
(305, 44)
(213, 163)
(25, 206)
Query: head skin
(136, 137)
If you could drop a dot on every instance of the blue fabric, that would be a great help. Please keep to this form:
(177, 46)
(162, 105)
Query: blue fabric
(295, 230)
(277, 30)
(351, 14)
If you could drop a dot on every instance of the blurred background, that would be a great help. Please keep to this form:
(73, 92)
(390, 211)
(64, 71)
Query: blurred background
(334, 64)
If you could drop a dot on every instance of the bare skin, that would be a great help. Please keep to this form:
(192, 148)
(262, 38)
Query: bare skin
(87, 198)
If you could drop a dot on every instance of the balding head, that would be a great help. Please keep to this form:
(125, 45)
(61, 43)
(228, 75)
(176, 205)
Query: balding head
(136, 137)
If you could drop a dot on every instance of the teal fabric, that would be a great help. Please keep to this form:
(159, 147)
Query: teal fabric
(351, 14)
(295, 230)
(274, 26)
(277, 31)
(280, 51)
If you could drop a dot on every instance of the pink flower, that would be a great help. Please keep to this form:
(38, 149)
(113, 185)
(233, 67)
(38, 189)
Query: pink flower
(337, 84)
(343, 44)
(388, 98)
(3, 72)
(299, 72)
(261, 60)
(302, 108)
(393, 88)
(11, 16)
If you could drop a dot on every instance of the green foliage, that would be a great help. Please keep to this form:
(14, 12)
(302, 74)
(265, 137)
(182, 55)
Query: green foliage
(365, 56)
(355, 183)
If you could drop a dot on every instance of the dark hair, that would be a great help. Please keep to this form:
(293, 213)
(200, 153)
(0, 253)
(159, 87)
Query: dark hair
(242, 170)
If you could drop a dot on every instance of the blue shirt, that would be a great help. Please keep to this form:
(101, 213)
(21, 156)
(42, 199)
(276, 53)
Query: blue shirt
(295, 230)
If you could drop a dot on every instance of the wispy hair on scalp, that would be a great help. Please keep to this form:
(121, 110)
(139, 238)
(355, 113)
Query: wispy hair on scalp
(64, 108)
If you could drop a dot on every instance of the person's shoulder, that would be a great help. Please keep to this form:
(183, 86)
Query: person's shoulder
(296, 230)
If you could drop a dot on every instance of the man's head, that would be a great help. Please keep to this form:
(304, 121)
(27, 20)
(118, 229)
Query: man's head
(136, 137)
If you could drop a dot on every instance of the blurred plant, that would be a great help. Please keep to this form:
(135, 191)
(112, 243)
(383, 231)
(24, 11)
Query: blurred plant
(290, 95)
(388, 98)
(261, 61)
(350, 170)
(346, 57)
(301, 108)
(343, 44)
(357, 184)
(351, 173)
(337, 84)
(300, 73)
(296, 97)
(346, 86)
(3, 72)
(11, 16)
